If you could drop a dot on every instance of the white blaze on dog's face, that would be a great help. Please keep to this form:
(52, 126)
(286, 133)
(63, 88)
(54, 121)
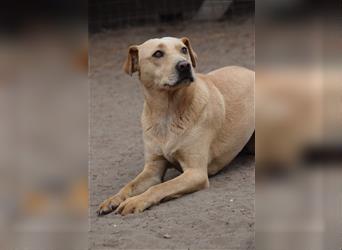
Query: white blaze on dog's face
(165, 63)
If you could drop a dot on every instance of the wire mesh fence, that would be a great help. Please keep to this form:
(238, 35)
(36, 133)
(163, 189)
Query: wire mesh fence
(111, 14)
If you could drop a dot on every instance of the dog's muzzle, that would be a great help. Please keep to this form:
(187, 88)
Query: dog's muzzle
(184, 72)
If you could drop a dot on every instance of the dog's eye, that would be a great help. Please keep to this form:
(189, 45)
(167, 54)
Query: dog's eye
(158, 54)
(184, 50)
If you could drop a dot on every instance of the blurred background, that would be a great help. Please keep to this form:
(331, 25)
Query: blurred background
(298, 125)
(43, 125)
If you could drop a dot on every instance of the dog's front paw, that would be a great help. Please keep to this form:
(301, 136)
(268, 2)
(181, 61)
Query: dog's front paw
(109, 205)
(135, 204)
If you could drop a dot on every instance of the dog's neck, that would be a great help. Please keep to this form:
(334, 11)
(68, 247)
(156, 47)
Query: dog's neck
(162, 102)
(166, 111)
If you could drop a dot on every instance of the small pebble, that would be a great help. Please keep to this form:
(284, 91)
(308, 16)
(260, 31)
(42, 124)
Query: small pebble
(167, 236)
(231, 200)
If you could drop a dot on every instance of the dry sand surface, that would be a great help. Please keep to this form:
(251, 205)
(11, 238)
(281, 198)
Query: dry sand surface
(221, 217)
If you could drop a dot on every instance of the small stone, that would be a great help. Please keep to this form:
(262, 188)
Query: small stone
(167, 236)
(231, 200)
(115, 225)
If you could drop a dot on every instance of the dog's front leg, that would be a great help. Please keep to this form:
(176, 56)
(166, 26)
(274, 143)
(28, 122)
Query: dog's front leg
(152, 174)
(192, 179)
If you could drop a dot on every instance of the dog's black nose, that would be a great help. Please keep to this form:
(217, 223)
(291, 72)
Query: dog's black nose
(183, 66)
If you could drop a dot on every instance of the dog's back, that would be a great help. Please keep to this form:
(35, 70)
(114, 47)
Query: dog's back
(236, 85)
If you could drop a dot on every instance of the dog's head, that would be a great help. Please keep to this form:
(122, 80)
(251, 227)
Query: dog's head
(165, 63)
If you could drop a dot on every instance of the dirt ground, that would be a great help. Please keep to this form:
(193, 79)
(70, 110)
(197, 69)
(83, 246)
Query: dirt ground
(221, 217)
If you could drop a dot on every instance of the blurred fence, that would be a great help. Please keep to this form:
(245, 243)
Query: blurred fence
(109, 14)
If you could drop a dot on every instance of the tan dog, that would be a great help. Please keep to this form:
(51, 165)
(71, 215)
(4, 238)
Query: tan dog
(196, 123)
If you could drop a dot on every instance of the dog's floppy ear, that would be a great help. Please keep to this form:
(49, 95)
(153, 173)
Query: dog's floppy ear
(131, 64)
(192, 53)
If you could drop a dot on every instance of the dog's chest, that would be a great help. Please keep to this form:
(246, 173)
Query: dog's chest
(169, 151)
(165, 136)
(166, 146)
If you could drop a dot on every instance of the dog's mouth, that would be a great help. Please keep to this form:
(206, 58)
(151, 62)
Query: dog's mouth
(186, 80)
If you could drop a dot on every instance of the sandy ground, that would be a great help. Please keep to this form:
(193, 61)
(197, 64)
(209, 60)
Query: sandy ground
(221, 217)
